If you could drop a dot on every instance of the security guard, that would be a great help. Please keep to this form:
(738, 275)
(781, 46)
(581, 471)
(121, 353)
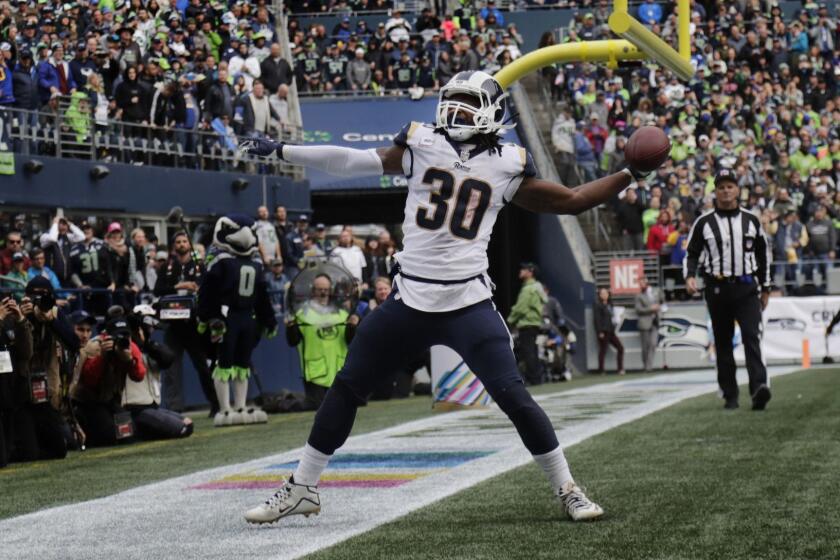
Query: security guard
(735, 257)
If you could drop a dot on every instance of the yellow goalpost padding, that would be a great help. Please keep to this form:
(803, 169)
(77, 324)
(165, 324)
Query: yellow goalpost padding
(637, 43)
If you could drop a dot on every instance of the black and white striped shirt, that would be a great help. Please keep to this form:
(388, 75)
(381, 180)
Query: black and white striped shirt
(728, 244)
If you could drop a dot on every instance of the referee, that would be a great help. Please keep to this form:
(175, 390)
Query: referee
(728, 247)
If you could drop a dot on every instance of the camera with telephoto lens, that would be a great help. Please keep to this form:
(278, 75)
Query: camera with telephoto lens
(42, 301)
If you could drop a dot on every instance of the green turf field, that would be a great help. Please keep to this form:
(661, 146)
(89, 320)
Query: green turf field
(95, 473)
(692, 481)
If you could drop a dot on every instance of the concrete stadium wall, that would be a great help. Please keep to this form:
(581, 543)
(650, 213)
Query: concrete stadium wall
(144, 189)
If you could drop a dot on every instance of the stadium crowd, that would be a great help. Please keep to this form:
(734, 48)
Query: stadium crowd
(79, 312)
(764, 102)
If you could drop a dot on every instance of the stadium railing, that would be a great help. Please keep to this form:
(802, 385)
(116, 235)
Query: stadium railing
(60, 135)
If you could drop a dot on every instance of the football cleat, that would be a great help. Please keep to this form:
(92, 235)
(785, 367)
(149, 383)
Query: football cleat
(290, 499)
(577, 505)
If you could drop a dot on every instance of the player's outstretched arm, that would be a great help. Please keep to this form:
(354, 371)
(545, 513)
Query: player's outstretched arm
(538, 195)
(335, 160)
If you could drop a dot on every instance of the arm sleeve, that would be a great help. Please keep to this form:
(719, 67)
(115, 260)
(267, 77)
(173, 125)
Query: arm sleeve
(693, 251)
(76, 234)
(335, 160)
(50, 236)
(293, 334)
(137, 371)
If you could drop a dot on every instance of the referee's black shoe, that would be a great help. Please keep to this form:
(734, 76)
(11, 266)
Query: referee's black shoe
(761, 397)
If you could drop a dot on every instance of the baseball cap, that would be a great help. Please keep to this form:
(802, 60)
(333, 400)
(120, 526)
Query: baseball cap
(303, 218)
(81, 316)
(725, 175)
(703, 137)
(5, 46)
(18, 256)
(114, 226)
(320, 226)
(528, 265)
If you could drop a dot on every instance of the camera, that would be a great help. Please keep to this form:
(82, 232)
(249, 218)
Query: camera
(42, 301)
(122, 340)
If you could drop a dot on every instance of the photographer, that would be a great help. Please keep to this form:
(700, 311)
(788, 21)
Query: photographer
(142, 398)
(104, 365)
(181, 276)
(15, 353)
(40, 431)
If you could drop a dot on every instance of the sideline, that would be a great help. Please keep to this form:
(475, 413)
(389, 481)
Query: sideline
(375, 478)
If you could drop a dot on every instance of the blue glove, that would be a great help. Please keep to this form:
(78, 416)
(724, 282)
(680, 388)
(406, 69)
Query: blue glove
(262, 147)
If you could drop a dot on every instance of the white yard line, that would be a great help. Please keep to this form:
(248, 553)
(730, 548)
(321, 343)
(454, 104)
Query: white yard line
(429, 459)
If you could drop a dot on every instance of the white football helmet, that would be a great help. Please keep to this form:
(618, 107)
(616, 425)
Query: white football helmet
(488, 113)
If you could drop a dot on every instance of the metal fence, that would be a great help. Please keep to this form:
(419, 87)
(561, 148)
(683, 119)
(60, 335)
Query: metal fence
(78, 135)
(803, 278)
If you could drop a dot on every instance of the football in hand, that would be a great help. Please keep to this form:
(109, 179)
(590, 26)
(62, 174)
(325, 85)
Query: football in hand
(647, 149)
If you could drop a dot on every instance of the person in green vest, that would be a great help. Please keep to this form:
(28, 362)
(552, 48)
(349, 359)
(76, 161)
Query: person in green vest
(323, 331)
(526, 316)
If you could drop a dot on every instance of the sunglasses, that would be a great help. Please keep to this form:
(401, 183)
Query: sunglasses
(15, 241)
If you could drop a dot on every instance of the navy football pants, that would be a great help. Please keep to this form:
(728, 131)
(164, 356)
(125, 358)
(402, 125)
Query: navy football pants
(395, 333)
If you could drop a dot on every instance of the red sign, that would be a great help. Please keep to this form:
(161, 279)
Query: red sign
(624, 276)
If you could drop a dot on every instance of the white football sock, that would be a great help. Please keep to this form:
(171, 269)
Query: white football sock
(556, 468)
(312, 464)
(223, 394)
(240, 393)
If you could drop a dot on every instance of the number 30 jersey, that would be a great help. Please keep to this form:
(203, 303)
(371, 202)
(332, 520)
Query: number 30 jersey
(455, 193)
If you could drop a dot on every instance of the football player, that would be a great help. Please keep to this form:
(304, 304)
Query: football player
(459, 177)
(233, 304)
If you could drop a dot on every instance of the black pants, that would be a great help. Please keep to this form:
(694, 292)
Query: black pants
(182, 336)
(528, 351)
(729, 303)
(396, 333)
(152, 422)
(38, 432)
(97, 420)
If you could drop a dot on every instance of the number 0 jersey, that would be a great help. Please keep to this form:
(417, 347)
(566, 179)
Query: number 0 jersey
(455, 193)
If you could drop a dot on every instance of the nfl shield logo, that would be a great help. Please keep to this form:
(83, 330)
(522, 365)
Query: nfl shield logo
(748, 243)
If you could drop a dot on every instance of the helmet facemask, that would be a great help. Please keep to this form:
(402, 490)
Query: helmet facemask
(462, 120)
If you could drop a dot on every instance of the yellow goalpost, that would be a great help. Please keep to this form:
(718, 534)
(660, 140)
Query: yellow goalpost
(637, 43)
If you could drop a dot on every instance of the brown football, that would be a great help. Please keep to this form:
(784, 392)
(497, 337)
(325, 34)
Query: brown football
(647, 149)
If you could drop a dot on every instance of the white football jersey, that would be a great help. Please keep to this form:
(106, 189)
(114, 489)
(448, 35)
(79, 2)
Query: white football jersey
(455, 193)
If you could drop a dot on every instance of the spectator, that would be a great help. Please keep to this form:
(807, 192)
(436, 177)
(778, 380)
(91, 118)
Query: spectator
(17, 277)
(629, 216)
(267, 242)
(321, 241)
(57, 242)
(258, 115)
(39, 268)
(325, 331)
(25, 83)
(54, 76)
(349, 255)
(14, 244)
(650, 13)
(376, 264)
(278, 285)
(605, 324)
(220, 97)
(562, 138)
(822, 240)
(130, 97)
(294, 241)
(526, 317)
(358, 72)
(280, 104)
(657, 240)
(7, 92)
(90, 269)
(648, 304)
(122, 264)
(788, 243)
(275, 70)
(491, 10)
